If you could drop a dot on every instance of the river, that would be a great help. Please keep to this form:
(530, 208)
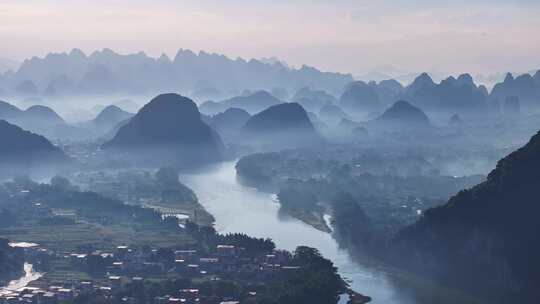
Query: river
(238, 208)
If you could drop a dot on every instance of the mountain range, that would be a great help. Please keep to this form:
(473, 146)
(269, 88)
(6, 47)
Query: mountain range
(107, 72)
(40, 119)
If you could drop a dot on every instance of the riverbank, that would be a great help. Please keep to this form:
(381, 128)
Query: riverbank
(239, 208)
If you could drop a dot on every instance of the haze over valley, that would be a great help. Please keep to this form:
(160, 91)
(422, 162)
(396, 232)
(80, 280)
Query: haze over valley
(325, 161)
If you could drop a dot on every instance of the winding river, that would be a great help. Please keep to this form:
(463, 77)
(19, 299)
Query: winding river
(238, 208)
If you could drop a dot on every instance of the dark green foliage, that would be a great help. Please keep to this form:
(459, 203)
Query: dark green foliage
(489, 233)
(315, 282)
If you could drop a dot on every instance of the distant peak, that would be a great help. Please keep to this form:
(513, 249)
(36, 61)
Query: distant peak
(108, 51)
(77, 53)
(164, 58)
(402, 103)
(112, 108)
(466, 78)
(184, 53)
(508, 77)
(423, 78)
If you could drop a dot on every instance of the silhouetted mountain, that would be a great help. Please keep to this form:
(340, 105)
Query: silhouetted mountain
(26, 88)
(231, 120)
(167, 130)
(392, 85)
(525, 87)
(110, 117)
(22, 152)
(360, 98)
(486, 237)
(284, 125)
(404, 114)
(452, 95)
(43, 114)
(106, 72)
(253, 103)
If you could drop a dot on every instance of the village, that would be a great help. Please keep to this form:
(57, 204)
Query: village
(113, 271)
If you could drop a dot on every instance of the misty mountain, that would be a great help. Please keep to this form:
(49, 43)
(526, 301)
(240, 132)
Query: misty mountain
(229, 122)
(525, 87)
(316, 95)
(23, 152)
(311, 105)
(252, 103)
(26, 88)
(167, 130)
(43, 114)
(512, 106)
(110, 117)
(9, 111)
(488, 235)
(211, 107)
(403, 114)
(451, 95)
(284, 125)
(105, 72)
(41, 119)
(127, 105)
(313, 100)
(8, 64)
(332, 114)
(360, 98)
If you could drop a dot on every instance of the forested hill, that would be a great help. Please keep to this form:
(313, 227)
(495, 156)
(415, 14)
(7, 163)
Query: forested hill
(489, 233)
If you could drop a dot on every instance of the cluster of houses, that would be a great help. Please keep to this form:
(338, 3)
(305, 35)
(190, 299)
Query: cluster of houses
(134, 266)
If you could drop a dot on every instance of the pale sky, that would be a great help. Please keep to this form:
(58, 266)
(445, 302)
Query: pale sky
(477, 36)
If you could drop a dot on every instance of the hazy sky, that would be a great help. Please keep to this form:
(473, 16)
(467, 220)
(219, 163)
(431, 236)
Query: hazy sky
(338, 35)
